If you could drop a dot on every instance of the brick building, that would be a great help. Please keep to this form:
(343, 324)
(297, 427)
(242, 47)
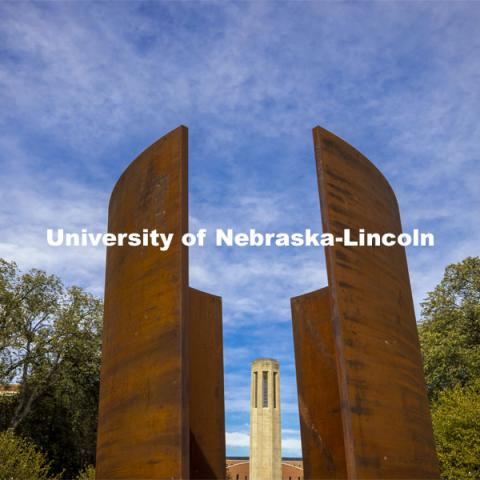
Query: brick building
(238, 468)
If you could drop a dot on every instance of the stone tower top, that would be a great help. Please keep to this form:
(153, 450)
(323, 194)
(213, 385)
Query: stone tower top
(266, 361)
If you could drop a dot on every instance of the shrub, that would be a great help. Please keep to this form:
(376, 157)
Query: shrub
(20, 459)
(87, 474)
(456, 424)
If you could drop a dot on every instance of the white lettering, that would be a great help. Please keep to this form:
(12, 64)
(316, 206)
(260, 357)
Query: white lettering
(58, 241)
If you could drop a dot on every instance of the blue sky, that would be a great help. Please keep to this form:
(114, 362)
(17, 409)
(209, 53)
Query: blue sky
(85, 87)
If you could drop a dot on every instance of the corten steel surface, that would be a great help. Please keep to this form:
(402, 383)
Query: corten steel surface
(318, 399)
(385, 413)
(143, 418)
(207, 413)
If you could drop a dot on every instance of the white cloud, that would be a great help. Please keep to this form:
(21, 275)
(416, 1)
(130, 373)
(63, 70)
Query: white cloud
(290, 445)
(237, 439)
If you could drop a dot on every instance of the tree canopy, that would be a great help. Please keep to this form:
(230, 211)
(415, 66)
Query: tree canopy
(50, 345)
(450, 340)
(450, 328)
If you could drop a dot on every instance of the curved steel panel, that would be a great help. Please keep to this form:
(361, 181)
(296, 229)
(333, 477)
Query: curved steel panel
(318, 399)
(207, 412)
(143, 416)
(385, 412)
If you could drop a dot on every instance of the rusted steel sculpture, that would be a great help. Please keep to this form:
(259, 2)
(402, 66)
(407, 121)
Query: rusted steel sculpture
(386, 425)
(207, 414)
(318, 397)
(146, 395)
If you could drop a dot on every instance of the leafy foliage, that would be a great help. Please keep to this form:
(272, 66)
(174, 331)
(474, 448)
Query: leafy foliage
(21, 459)
(450, 340)
(50, 344)
(456, 423)
(87, 474)
(7, 408)
(450, 331)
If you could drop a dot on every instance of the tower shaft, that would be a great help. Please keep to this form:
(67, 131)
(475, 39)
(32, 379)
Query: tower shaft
(265, 425)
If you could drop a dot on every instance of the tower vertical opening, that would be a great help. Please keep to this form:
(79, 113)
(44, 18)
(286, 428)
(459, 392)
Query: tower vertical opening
(265, 389)
(275, 389)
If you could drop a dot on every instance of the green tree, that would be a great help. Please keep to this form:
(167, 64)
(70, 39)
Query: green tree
(450, 340)
(50, 344)
(450, 328)
(456, 424)
(20, 459)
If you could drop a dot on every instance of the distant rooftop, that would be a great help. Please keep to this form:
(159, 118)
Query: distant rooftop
(291, 459)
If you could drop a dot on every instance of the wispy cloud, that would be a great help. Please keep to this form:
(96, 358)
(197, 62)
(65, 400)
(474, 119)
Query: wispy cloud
(291, 445)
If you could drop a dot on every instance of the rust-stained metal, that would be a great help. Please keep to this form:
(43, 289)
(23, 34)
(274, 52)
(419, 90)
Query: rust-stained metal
(318, 399)
(385, 412)
(387, 430)
(143, 417)
(207, 413)
(144, 413)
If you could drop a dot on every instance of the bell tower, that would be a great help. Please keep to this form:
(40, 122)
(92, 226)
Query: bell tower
(265, 424)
